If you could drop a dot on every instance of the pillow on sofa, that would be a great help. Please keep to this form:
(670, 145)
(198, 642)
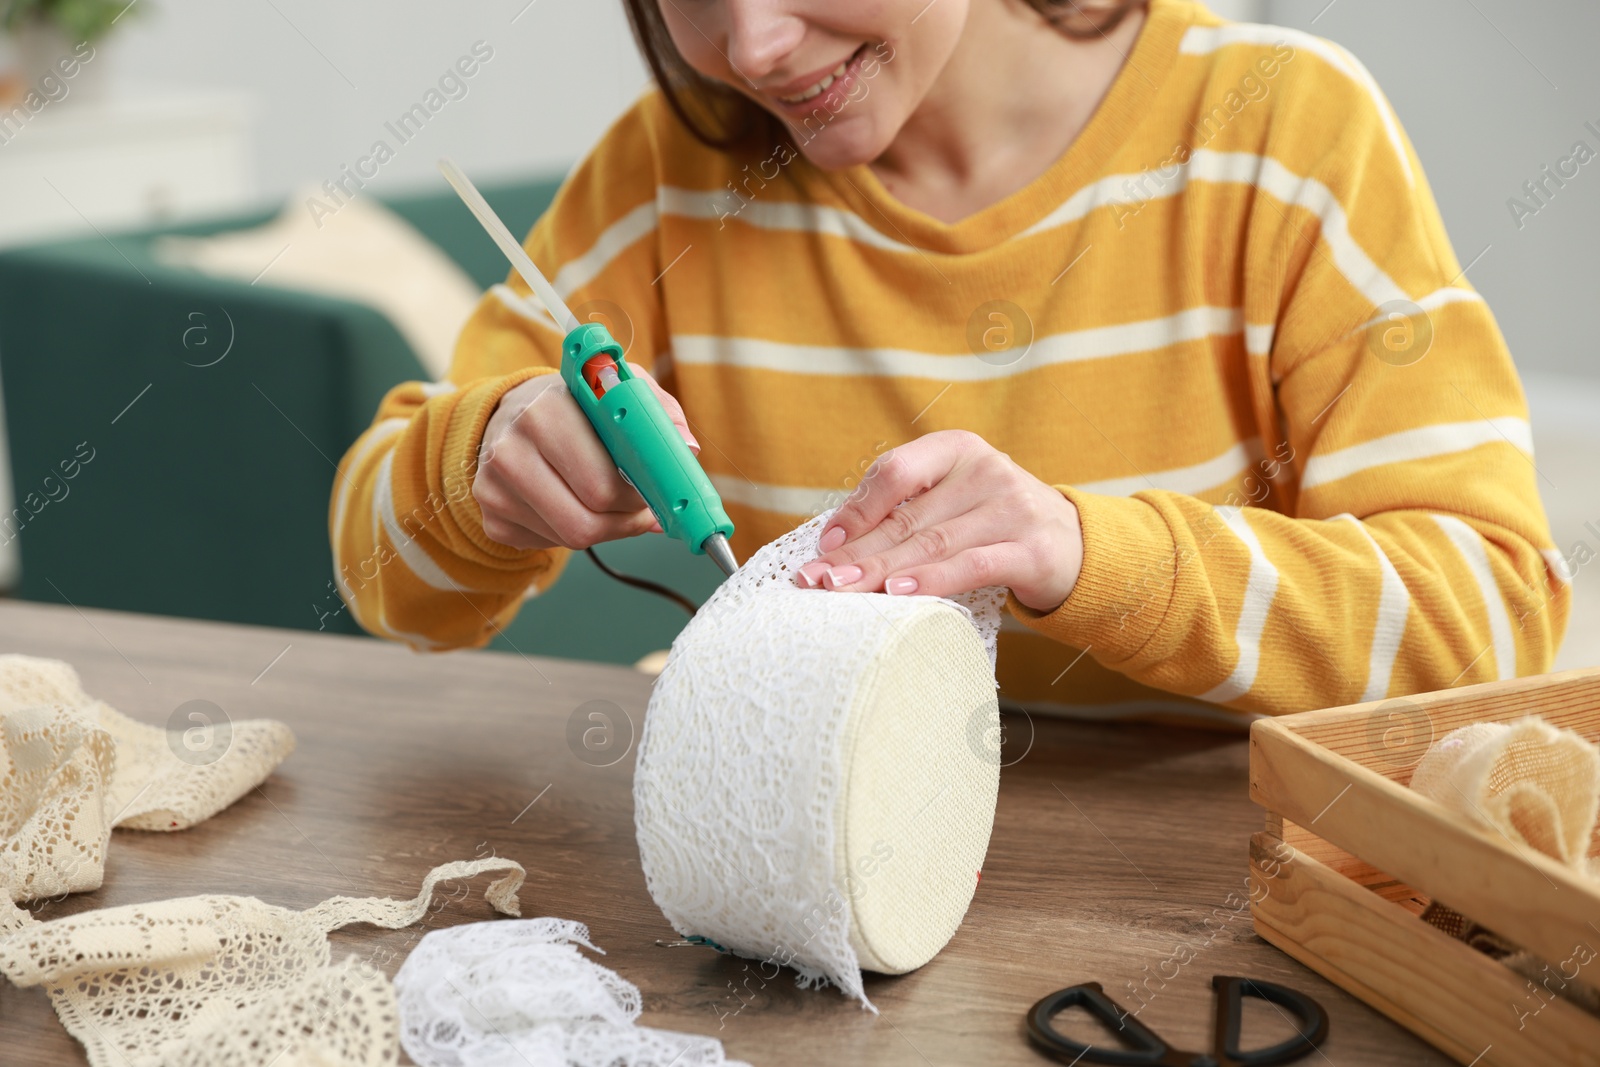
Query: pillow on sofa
(362, 251)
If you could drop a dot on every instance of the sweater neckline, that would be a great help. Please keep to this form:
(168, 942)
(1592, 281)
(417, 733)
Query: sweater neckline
(1124, 106)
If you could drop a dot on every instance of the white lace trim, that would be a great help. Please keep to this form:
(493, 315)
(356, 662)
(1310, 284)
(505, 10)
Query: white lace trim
(742, 759)
(520, 994)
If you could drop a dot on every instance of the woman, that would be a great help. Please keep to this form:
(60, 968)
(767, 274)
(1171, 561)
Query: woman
(1148, 317)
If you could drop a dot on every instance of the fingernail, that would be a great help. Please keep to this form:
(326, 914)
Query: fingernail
(900, 586)
(811, 574)
(832, 538)
(688, 439)
(841, 576)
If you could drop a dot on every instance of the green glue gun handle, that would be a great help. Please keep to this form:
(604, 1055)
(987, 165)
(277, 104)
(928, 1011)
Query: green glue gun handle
(643, 442)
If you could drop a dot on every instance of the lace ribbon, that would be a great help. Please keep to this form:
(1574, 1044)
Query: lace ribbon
(225, 981)
(72, 767)
(520, 994)
(808, 791)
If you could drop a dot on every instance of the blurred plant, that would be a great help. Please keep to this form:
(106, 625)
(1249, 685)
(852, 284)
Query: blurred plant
(80, 20)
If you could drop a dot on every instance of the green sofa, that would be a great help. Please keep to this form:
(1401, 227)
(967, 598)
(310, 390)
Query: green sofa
(202, 490)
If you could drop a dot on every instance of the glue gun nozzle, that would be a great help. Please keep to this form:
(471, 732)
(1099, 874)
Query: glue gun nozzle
(716, 546)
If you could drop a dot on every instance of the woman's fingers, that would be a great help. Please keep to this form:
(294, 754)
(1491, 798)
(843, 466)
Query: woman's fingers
(527, 493)
(947, 514)
(919, 517)
(561, 433)
(674, 409)
(897, 474)
(878, 517)
(969, 569)
(564, 437)
(508, 521)
(931, 545)
(544, 478)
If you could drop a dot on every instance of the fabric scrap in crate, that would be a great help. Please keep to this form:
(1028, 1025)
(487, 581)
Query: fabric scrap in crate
(1537, 786)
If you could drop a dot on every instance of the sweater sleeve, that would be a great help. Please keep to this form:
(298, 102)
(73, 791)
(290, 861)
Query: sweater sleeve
(1393, 540)
(411, 559)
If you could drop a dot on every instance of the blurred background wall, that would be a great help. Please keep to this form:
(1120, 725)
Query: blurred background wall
(326, 77)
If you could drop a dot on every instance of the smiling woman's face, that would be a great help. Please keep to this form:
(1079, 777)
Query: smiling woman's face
(843, 75)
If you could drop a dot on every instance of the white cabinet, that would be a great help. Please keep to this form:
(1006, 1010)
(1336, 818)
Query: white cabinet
(135, 160)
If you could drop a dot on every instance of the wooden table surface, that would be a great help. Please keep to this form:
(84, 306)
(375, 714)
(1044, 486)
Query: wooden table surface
(1112, 847)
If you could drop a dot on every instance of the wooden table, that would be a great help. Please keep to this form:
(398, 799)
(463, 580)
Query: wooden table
(1112, 847)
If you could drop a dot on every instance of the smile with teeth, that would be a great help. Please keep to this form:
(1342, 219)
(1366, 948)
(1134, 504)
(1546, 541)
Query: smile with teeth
(816, 90)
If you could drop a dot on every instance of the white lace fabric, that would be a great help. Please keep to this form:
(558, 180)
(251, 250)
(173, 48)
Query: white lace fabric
(225, 981)
(807, 790)
(72, 767)
(520, 994)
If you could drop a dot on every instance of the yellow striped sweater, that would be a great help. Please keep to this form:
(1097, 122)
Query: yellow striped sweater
(1239, 342)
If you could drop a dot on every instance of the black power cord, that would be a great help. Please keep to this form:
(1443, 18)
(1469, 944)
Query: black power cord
(644, 583)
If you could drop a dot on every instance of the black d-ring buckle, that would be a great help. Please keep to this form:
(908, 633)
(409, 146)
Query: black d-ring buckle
(1311, 1022)
(1151, 1051)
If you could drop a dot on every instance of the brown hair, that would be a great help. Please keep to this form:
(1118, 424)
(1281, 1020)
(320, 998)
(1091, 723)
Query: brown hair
(724, 118)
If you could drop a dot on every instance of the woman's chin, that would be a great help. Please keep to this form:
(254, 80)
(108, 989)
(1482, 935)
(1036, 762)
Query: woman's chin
(839, 148)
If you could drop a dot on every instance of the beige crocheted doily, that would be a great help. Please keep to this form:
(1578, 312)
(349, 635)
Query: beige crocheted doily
(72, 767)
(222, 981)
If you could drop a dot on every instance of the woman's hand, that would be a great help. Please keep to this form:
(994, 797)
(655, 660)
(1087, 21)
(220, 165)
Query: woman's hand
(545, 480)
(973, 518)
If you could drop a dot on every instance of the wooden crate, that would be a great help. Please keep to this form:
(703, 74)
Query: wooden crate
(1350, 857)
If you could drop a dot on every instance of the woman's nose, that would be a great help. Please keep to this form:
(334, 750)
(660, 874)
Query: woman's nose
(761, 33)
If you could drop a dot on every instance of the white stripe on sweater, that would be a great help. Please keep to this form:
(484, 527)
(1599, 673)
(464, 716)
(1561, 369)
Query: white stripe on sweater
(807, 500)
(1202, 40)
(1246, 168)
(1556, 563)
(1261, 589)
(778, 499)
(1431, 302)
(1470, 545)
(1424, 442)
(1101, 342)
(782, 215)
(530, 308)
(1134, 190)
(1190, 480)
(412, 554)
(1394, 608)
(379, 433)
(385, 630)
(1258, 338)
(1115, 190)
(612, 242)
